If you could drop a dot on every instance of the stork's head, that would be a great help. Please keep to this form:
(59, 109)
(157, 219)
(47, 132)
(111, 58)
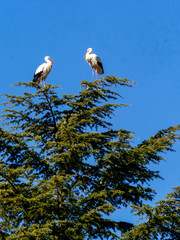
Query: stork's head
(47, 59)
(89, 50)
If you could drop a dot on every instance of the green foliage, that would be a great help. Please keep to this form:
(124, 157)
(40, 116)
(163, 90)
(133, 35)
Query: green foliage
(163, 220)
(64, 169)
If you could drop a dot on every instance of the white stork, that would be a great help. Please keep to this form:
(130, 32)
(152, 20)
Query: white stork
(95, 62)
(43, 70)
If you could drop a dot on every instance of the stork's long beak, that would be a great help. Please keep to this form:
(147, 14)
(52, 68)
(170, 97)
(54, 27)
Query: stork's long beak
(85, 55)
(52, 61)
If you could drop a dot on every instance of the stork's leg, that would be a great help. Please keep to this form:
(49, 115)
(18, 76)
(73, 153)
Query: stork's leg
(96, 74)
(44, 83)
(41, 82)
(93, 74)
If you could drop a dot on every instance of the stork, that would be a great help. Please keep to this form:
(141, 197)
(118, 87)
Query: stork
(43, 70)
(95, 62)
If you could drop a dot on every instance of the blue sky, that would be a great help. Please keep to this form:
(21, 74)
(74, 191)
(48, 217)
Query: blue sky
(138, 40)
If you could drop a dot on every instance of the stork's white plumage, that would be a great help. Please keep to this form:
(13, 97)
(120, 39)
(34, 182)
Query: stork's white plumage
(43, 70)
(95, 62)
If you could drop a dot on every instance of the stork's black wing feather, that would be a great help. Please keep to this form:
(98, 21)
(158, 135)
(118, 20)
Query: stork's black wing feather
(37, 76)
(100, 64)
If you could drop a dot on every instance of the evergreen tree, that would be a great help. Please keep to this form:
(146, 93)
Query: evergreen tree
(162, 221)
(64, 169)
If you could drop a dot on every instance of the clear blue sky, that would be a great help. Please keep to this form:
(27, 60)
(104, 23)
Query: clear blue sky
(139, 40)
